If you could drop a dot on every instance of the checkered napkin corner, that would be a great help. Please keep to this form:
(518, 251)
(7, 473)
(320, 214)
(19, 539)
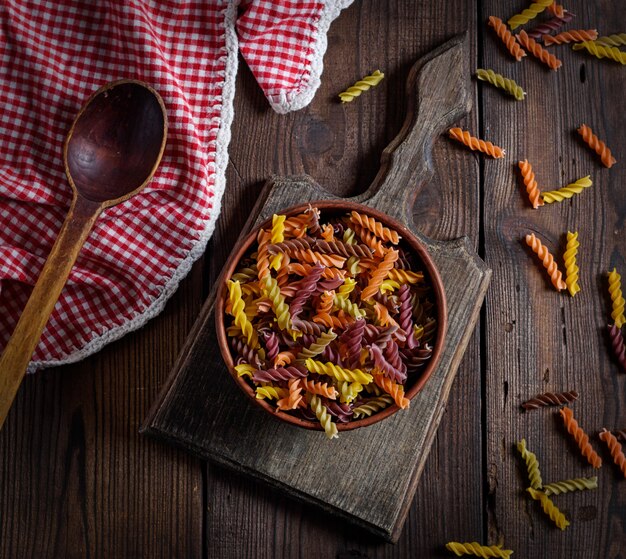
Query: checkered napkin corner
(283, 43)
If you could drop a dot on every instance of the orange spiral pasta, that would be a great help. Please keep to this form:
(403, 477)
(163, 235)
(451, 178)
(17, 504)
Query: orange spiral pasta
(597, 145)
(548, 261)
(263, 262)
(376, 227)
(379, 274)
(284, 358)
(320, 388)
(528, 175)
(572, 36)
(369, 239)
(395, 390)
(507, 37)
(293, 399)
(556, 9)
(538, 51)
(476, 144)
(615, 449)
(581, 438)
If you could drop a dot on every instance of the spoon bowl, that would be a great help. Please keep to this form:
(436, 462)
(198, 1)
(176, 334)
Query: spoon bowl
(111, 152)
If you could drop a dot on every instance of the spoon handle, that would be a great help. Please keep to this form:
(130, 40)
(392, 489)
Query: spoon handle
(19, 350)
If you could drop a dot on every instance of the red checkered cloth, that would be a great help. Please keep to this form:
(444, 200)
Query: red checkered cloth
(53, 55)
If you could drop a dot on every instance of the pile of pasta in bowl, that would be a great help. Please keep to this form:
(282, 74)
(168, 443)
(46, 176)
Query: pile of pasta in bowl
(331, 319)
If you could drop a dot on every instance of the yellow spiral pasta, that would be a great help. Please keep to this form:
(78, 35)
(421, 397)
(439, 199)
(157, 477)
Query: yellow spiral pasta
(566, 192)
(271, 392)
(532, 464)
(245, 370)
(571, 268)
(337, 372)
(571, 36)
(529, 13)
(405, 276)
(389, 286)
(616, 40)
(549, 508)
(547, 260)
(528, 176)
(323, 417)
(349, 307)
(349, 391)
(474, 548)
(601, 51)
(568, 485)
(498, 80)
(615, 290)
(376, 227)
(277, 236)
(237, 312)
(362, 85)
(372, 406)
(475, 144)
(345, 288)
(281, 309)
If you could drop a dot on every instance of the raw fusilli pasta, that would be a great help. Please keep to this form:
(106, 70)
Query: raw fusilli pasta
(475, 144)
(581, 438)
(571, 267)
(597, 145)
(498, 80)
(362, 85)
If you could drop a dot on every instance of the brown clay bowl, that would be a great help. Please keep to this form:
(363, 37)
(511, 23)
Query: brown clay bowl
(332, 208)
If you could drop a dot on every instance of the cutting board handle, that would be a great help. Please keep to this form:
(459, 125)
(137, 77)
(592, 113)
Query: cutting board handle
(438, 95)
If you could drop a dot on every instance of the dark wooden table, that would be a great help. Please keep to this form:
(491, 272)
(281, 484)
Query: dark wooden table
(76, 478)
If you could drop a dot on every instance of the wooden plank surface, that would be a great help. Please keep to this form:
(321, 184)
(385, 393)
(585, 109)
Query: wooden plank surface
(538, 339)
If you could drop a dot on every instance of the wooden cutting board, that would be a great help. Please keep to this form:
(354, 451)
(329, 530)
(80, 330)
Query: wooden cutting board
(367, 476)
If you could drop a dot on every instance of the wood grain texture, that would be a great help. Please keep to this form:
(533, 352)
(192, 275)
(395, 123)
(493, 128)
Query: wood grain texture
(538, 339)
(76, 479)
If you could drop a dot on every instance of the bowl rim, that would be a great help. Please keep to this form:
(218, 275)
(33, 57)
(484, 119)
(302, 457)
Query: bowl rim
(336, 206)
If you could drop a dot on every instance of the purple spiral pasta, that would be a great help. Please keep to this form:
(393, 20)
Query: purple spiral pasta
(550, 399)
(331, 353)
(553, 24)
(617, 344)
(306, 287)
(246, 353)
(416, 358)
(328, 284)
(313, 226)
(271, 346)
(389, 301)
(343, 412)
(392, 355)
(353, 340)
(280, 373)
(376, 354)
(406, 315)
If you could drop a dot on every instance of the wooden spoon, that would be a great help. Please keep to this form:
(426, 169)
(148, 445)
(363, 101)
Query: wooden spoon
(111, 152)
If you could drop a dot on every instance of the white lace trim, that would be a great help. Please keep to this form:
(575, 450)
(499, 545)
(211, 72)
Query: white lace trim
(197, 250)
(300, 97)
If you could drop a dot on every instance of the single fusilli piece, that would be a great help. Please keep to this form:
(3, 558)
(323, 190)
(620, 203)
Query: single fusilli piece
(337, 372)
(571, 267)
(373, 405)
(476, 144)
(617, 301)
(320, 388)
(548, 261)
(600, 51)
(293, 398)
(567, 191)
(549, 508)
(617, 345)
(323, 417)
(619, 39)
(550, 399)
(349, 391)
(244, 370)
(567, 485)
(281, 309)
(538, 51)
(581, 438)
(529, 13)
(277, 235)
(532, 465)
(362, 85)
(597, 145)
(376, 227)
(271, 393)
(279, 373)
(317, 347)
(615, 449)
(396, 391)
(474, 548)
(405, 276)
(237, 311)
(507, 38)
(552, 24)
(498, 80)
(571, 36)
(528, 176)
(379, 274)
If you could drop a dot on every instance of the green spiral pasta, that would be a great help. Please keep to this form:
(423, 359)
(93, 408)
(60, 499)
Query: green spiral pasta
(616, 40)
(323, 417)
(372, 406)
(498, 80)
(600, 51)
(532, 465)
(317, 347)
(567, 485)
